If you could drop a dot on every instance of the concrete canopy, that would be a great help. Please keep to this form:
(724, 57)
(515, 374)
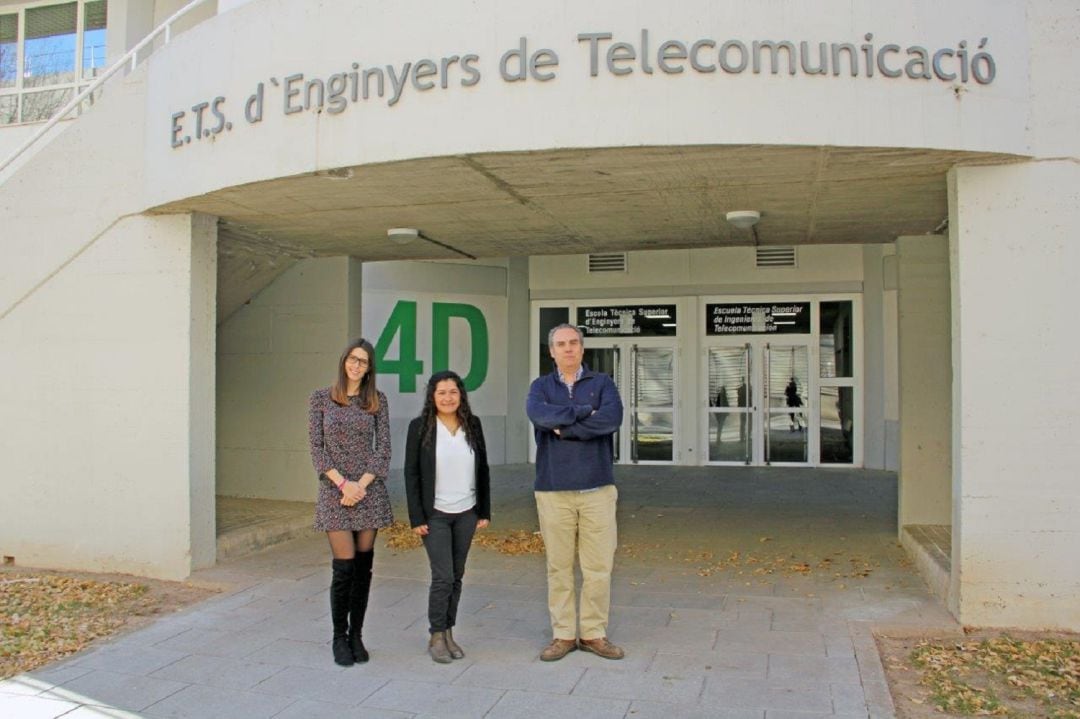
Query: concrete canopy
(576, 201)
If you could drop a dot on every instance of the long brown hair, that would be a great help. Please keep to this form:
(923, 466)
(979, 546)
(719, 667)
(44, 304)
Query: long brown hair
(369, 397)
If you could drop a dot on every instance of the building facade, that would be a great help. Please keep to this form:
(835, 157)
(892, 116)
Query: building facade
(181, 262)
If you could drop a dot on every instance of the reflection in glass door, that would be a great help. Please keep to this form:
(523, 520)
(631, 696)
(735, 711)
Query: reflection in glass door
(787, 378)
(652, 404)
(608, 361)
(730, 433)
(759, 403)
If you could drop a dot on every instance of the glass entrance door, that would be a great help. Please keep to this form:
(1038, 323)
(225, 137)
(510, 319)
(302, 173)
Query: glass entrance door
(652, 404)
(730, 425)
(646, 383)
(759, 403)
(608, 361)
(786, 410)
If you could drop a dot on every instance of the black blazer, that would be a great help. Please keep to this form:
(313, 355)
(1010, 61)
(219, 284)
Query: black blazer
(420, 474)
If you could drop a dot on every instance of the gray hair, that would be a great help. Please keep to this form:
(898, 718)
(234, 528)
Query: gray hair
(565, 326)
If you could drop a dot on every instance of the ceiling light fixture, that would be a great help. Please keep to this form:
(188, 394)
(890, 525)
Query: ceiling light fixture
(743, 219)
(404, 235)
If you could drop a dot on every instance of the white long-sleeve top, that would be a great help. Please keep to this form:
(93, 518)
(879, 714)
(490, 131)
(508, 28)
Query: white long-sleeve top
(455, 471)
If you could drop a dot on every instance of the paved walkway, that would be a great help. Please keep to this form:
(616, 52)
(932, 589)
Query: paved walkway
(780, 631)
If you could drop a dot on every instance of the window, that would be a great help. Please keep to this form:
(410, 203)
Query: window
(46, 51)
(836, 353)
(550, 317)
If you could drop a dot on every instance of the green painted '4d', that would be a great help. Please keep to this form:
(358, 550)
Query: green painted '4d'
(407, 366)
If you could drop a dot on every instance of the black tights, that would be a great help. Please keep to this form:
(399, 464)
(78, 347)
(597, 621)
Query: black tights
(344, 544)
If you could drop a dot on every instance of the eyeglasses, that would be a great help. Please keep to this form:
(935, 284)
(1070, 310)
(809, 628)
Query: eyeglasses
(351, 361)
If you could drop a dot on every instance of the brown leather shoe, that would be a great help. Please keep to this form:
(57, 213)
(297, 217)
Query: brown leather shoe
(558, 649)
(602, 648)
(456, 652)
(437, 648)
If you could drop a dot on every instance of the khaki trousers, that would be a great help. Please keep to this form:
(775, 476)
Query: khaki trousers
(581, 523)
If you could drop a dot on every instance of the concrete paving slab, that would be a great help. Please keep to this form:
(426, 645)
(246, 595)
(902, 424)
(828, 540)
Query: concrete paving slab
(217, 672)
(675, 639)
(308, 709)
(848, 698)
(128, 659)
(207, 642)
(203, 702)
(130, 692)
(641, 686)
(303, 683)
(772, 714)
(765, 695)
(410, 661)
(790, 667)
(434, 699)
(739, 639)
(87, 711)
(537, 705)
(534, 676)
(658, 710)
(719, 664)
(290, 652)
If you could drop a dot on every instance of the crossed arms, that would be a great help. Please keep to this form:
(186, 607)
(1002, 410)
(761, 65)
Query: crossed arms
(577, 421)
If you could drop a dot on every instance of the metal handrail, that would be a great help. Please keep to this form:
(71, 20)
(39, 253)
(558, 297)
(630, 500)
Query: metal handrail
(132, 57)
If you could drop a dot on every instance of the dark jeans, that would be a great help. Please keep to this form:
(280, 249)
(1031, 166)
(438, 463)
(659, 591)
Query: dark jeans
(447, 544)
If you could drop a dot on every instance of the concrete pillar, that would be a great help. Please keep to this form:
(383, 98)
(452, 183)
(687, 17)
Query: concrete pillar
(873, 359)
(518, 350)
(202, 390)
(1015, 265)
(891, 357)
(272, 353)
(108, 431)
(925, 380)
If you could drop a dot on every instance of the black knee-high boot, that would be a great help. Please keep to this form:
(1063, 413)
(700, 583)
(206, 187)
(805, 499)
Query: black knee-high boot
(358, 601)
(340, 590)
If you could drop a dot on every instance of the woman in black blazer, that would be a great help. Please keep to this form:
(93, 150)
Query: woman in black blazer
(447, 484)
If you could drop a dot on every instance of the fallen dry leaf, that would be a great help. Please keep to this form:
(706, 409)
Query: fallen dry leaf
(45, 618)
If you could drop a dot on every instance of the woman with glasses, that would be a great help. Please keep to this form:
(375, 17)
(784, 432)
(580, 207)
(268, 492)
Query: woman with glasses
(349, 428)
(447, 485)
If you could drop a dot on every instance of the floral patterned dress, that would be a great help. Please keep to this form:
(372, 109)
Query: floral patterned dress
(353, 441)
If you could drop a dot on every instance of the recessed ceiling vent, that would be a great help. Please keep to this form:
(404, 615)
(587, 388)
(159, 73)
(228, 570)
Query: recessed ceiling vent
(607, 262)
(775, 257)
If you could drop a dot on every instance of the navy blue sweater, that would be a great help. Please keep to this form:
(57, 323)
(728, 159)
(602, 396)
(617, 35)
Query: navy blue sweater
(580, 457)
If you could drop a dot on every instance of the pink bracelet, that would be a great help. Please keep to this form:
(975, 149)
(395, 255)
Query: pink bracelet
(341, 487)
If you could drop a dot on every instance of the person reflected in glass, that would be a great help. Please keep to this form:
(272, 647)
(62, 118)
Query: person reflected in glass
(740, 399)
(791, 393)
(721, 417)
(448, 490)
(349, 433)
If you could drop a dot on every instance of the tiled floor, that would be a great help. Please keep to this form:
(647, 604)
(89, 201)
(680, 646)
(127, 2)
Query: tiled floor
(755, 640)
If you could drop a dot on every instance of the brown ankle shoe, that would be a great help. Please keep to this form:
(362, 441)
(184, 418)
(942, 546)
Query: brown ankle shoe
(456, 652)
(558, 649)
(602, 648)
(437, 648)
